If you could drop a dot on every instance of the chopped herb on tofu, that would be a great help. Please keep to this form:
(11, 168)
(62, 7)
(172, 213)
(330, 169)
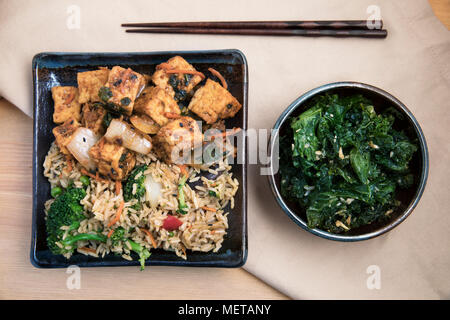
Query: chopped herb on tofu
(122, 89)
(180, 85)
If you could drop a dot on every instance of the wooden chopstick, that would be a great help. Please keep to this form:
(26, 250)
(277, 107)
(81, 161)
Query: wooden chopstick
(364, 33)
(327, 24)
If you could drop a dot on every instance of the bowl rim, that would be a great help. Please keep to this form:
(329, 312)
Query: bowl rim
(423, 147)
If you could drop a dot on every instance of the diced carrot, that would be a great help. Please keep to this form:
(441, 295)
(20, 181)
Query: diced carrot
(183, 249)
(209, 209)
(147, 232)
(118, 214)
(164, 66)
(183, 169)
(110, 233)
(167, 69)
(118, 187)
(172, 115)
(226, 133)
(69, 163)
(218, 75)
(96, 176)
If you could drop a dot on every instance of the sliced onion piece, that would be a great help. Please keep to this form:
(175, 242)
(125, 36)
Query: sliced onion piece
(152, 190)
(82, 140)
(145, 124)
(122, 133)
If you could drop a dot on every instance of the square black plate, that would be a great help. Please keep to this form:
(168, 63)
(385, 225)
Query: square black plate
(52, 69)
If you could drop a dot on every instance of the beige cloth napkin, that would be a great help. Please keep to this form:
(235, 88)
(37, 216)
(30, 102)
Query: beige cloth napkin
(413, 64)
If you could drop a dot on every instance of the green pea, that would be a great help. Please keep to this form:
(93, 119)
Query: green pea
(56, 191)
(85, 180)
(171, 234)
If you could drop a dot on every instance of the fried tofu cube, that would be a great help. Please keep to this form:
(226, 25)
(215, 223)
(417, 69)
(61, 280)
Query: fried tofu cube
(175, 140)
(63, 134)
(93, 115)
(178, 85)
(89, 83)
(66, 104)
(156, 103)
(121, 89)
(112, 159)
(212, 102)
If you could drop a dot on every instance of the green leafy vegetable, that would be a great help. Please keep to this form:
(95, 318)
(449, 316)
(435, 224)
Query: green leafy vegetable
(109, 116)
(125, 101)
(137, 178)
(342, 163)
(182, 206)
(212, 193)
(360, 162)
(306, 142)
(105, 93)
(119, 236)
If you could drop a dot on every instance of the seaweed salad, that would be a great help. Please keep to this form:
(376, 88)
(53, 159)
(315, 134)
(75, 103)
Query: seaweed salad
(342, 162)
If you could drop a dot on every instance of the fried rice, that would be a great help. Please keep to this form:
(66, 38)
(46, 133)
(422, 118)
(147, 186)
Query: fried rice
(202, 229)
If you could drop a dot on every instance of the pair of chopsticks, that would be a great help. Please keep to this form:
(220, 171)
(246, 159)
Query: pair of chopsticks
(343, 28)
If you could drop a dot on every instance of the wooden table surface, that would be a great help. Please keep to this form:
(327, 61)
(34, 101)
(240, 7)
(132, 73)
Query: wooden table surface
(20, 280)
(441, 9)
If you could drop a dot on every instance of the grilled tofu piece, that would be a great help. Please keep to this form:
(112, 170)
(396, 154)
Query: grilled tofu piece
(66, 104)
(89, 83)
(63, 134)
(178, 85)
(121, 89)
(156, 103)
(175, 140)
(212, 102)
(112, 160)
(93, 115)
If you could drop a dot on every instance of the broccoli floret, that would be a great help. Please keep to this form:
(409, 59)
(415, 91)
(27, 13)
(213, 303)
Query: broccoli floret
(140, 188)
(143, 253)
(66, 211)
(119, 235)
(182, 206)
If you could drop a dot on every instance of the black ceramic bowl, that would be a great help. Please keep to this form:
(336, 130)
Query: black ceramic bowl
(53, 69)
(404, 121)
